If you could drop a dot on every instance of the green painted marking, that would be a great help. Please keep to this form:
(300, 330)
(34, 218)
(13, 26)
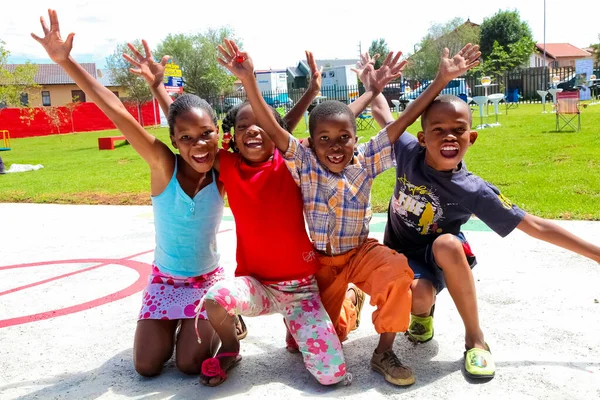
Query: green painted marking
(472, 225)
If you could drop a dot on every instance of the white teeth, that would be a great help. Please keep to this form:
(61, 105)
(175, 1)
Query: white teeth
(254, 141)
(335, 158)
(449, 148)
(200, 155)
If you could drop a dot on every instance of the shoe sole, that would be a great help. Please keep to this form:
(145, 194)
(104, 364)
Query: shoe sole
(390, 379)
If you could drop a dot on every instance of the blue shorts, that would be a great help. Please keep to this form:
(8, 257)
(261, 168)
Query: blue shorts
(423, 264)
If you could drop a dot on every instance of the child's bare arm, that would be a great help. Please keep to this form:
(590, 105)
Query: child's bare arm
(552, 233)
(449, 69)
(151, 149)
(375, 80)
(379, 106)
(296, 113)
(240, 64)
(152, 72)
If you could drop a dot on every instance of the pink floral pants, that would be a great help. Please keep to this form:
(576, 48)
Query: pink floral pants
(300, 304)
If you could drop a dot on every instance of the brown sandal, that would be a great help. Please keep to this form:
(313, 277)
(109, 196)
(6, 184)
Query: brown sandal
(360, 301)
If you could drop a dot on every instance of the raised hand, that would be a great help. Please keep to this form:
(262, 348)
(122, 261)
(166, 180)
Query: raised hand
(363, 67)
(389, 70)
(236, 61)
(464, 60)
(315, 79)
(146, 67)
(58, 49)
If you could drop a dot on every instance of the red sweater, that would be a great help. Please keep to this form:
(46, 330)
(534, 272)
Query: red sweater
(272, 243)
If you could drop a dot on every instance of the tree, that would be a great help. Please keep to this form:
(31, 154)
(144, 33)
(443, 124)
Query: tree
(55, 116)
(453, 34)
(506, 28)
(196, 54)
(137, 88)
(596, 50)
(17, 83)
(379, 47)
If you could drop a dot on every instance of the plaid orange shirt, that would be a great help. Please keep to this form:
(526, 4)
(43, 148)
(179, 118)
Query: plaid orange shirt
(337, 207)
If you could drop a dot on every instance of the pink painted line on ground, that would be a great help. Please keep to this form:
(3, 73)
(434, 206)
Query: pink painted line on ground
(143, 269)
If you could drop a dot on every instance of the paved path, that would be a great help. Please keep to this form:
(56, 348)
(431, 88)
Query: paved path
(70, 292)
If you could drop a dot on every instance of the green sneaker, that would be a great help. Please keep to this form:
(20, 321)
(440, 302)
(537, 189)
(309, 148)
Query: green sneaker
(420, 329)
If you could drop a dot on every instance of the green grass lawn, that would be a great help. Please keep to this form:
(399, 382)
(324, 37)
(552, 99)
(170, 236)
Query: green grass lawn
(550, 174)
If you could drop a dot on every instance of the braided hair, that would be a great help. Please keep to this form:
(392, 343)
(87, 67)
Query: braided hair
(229, 121)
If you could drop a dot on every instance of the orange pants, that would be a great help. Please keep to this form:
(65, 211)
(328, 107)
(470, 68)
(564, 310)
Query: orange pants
(377, 270)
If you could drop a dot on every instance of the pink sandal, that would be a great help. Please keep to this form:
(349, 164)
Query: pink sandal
(211, 367)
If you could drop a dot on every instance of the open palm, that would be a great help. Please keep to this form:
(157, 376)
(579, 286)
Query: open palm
(146, 67)
(236, 61)
(58, 49)
(464, 60)
(389, 70)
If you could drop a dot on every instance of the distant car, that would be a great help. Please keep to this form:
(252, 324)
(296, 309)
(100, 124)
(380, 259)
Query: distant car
(227, 104)
(277, 100)
(456, 87)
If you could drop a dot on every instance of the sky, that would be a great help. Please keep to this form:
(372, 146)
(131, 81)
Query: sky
(276, 33)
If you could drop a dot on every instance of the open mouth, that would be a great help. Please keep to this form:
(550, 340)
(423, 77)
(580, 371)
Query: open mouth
(335, 158)
(253, 143)
(200, 158)
(449, 151)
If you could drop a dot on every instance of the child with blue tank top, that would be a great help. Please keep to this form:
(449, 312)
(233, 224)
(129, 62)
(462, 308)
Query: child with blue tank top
(187, 200)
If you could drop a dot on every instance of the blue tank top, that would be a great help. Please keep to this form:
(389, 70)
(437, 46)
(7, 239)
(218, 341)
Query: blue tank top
(186, 229)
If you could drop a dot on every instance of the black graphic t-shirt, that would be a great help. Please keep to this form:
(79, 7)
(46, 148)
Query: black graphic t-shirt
(428, 203)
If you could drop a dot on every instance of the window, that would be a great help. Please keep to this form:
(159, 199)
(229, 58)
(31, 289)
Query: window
(331, 74)
(24, 99)
(46, 98)
(78, 96)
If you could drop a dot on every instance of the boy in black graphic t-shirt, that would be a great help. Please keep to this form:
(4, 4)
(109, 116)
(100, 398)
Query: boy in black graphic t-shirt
(433, 197)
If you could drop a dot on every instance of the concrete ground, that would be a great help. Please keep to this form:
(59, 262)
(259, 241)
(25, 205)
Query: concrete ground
(70, 290)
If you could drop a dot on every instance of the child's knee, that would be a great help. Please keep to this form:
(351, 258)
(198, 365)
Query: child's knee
(423, 291)
(188, 365)
(147, 367)
(448, 251)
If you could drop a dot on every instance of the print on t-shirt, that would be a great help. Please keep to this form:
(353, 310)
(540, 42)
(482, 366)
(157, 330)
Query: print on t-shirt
(418, 207)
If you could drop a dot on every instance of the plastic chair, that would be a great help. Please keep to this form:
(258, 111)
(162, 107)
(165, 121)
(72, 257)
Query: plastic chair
(396, 104)
(496, 98)
(512, 98)
(543, 94)
(567, 110)
(553, 93)
(481, 101)
(364, 121)
(463, 97)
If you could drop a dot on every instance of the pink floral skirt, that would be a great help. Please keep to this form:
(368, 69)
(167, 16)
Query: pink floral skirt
(171, 297)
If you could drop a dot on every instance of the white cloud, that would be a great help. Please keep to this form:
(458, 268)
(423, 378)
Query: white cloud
(276, 33)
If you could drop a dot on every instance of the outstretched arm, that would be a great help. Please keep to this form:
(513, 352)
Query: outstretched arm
(449, 69)
(150, 148)
(240, 64)
(375, 80)
(152, 72)
(295, 114)
(552, 233)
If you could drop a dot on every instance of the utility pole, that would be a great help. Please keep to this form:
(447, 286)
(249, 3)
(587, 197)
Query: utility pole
(359, 49)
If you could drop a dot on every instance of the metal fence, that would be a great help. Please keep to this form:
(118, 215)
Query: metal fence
(527, 81)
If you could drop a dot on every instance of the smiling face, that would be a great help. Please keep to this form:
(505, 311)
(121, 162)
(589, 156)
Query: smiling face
(252, 142)
(446, 134)
(197, 138)
(333, 140)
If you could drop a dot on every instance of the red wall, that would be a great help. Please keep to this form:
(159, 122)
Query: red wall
(86, 117)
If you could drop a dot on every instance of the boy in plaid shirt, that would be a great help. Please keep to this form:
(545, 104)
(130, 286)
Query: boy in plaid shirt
(336, 185)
